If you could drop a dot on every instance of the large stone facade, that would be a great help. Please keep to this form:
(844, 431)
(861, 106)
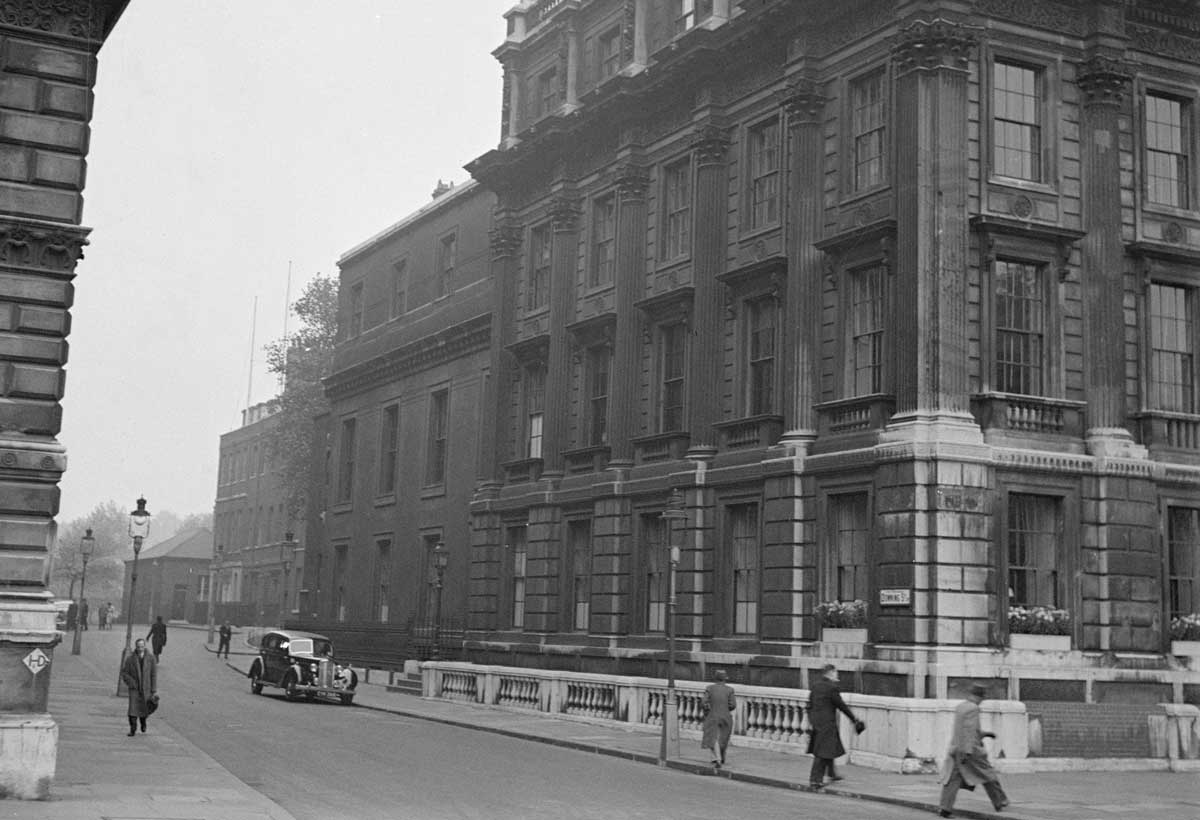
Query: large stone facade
(46, 81)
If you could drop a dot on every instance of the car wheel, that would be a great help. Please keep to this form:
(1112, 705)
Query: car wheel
(289, 686)
(256, 679)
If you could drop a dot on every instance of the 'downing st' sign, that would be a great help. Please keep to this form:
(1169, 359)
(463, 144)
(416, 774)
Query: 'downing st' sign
(895, 597)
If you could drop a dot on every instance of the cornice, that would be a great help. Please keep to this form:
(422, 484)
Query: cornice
(430, 351)
(47, 246)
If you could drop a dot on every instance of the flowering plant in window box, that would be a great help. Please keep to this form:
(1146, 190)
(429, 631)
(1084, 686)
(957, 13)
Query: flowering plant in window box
(1186, 627)
(1038, 620)
(843, 614)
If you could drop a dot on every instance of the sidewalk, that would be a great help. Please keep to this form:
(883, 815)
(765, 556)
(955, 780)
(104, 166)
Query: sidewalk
(1048, 796)
(161, 776)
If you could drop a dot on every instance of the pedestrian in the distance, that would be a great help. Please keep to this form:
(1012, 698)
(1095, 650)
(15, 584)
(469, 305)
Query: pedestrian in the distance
(157, 636)
(825, 743)
(83, 614)
(140, 676)
(112, 615)
(719, 704)
(226, 635)
(72, 615)
(967, 765)
(102, 618)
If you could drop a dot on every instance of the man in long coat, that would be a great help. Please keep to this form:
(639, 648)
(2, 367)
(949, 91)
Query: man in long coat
(967, 764)
(140, 676)
(157, 636)
(719, 704)
(825, 744)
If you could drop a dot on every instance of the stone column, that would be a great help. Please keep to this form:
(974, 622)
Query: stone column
(708, 262)
(929, 285)
(45, 107)
(805, 105)
(1104, 85)
(506, 254)
(563, 257)
(636, 32)
(630, 283)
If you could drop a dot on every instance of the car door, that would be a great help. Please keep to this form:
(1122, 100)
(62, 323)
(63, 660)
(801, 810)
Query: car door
(271, 657)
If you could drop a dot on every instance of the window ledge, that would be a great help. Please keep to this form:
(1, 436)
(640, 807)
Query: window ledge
(433, 490)
(522, 469)
(1165, 429)
(752, 431)
(661, 446)
(855, 414)
(341, 507)
(591, 459)
(385, 500)
(1041, 415)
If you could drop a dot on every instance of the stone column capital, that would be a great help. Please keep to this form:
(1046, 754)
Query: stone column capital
(933, 44)
(632, 182)
(505, 239)
(1104, 80)
(803, 101)
(710, 142)
(564, 213)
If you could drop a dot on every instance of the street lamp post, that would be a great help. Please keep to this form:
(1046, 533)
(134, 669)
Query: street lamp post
(86, 545)
(669, 742)
(214, 566)
(139, 528)
(440, 559)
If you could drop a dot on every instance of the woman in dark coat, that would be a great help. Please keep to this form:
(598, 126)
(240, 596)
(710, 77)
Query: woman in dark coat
(825, 744)
(140, 676)
(157, 636)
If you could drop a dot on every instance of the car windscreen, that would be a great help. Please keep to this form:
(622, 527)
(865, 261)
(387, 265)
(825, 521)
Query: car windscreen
(310, 646)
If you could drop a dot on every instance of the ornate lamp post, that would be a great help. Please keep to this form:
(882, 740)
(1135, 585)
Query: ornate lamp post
(287, 551)
(86, 545)
(675, 511)
(440, 559)
(139, 528)
(214, 567)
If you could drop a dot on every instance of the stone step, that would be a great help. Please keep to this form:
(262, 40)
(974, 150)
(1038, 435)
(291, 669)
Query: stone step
(1093, 729)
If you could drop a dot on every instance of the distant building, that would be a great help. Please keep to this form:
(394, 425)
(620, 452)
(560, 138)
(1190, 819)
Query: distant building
(258, 567)
(396, 457)
(173, 580)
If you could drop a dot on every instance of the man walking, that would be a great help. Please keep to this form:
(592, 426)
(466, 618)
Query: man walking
(83, 614)
(157, 636)
(226, 634)
(719, 704)
(140, 676)
(825, 743)
(967, 764)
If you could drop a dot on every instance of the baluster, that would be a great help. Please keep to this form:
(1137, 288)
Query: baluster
(752, 719)
(775, 721)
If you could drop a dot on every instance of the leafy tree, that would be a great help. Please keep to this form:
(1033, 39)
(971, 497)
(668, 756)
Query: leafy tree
(302, 360)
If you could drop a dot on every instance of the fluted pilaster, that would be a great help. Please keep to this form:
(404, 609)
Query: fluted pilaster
(505, 241)
(564, 217)
(632, 183)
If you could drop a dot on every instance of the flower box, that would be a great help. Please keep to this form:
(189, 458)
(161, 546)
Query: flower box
(1044, 643)
(843, 635)
(1186, 648)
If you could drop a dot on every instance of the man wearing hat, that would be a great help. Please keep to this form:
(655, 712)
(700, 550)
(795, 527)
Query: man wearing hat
(719, 704)
(825, 743)
(967, 763)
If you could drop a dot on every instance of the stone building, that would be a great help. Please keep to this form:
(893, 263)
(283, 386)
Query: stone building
(173, 580)
(900, 297)
(395, 459)
(50, 60)
(258, 552)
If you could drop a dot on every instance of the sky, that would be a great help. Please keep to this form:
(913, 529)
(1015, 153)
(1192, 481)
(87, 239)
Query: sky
(231, 141)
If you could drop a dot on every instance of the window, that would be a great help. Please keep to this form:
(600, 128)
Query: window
(763, 149)
(869, 129)
(655, 560)
(1020, 327)
(599, 364)
(1183, 561)
(1016, 121)
(439, 409)
(535, 409)
(383, 574)
(517, 552)
(399, 289)
(1035, 529)
(538, 293)
(677, 215)
(849, 536)
(609, 53)
(604, 223)
(1167, 151)
(339, 580)
(389, 445)
(345, 490)
(547, 99)
(579, 584)
(865, 327)
(672, 340)
(760, 348)
(1172, 348)
(447, 251)
(744, 552)
(688, 13)
(356, 309)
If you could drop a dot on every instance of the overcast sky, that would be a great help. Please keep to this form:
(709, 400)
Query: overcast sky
(231, 139)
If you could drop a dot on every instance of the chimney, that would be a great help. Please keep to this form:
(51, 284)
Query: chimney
(442, 187)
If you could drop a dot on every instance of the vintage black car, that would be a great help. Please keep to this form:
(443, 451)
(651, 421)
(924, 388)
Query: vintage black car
(301, 664)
